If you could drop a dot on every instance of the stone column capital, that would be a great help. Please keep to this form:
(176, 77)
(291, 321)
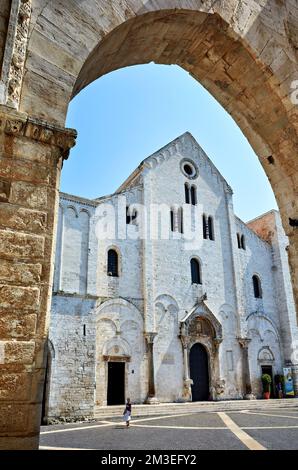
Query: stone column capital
(217, 341)
(184, 340)
(19, 124)
(244, 342)
(150, 336)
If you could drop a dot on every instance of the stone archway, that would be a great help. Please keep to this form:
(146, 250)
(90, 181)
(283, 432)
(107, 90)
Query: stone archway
(200, 326)
(199, 372)
(245, 56)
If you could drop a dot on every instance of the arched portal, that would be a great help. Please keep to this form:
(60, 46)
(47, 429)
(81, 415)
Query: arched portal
(199, 372)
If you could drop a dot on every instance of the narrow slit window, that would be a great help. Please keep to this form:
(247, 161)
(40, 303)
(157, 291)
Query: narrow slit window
(243, 244)
(187, 198)
(194, 195)
(195, 271)
(239, 240)
(113, 263)
(211, 228)
(205, 227)
(257, 287)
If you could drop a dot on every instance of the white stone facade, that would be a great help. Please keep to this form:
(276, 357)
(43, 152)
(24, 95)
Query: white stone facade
(98, 319)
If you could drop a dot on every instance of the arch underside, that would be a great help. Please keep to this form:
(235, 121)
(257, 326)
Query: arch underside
(244, 69)
(203, 44)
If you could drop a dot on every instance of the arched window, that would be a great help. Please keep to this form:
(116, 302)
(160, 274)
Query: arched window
(205, 227)
(112, 263)
(210, 228)
(195, 271)
(257, 287)
(243, 245)
(239, 240)
(131, 216)
(193, 193)
(172, 220)
(187, 198)
(180, 219)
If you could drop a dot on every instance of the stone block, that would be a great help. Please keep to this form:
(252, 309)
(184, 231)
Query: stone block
(15, 386)
(25, 220)
(16, 297)
(18, 352)
(20, 273)
(24, 171)
(17, 325)
(24, 148)
(20, 245)
(13, 418)
(28, 195)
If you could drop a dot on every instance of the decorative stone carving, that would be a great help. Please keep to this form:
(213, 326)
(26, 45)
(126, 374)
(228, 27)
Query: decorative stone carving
(18, 124)
(186, 394)
(16, 70)
(5, 187)
(13, 126)
(244, 342)
(220, 386)
(201, 325)
(265, 355)
(150, 337)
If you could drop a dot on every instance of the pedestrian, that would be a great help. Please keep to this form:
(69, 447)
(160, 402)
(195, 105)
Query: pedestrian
(127, 412)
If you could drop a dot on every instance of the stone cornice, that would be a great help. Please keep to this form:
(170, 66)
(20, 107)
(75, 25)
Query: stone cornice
(20, 125)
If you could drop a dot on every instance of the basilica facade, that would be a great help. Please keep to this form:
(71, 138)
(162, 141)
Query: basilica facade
(162, 294)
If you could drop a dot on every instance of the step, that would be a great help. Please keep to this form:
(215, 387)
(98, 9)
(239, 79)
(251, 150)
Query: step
(181, 408)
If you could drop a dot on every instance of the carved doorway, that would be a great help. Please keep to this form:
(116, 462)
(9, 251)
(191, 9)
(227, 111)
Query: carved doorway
(116, 383)
(199, 372)
(267, 369)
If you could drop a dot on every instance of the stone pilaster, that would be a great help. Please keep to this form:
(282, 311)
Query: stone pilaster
(151, 399)
(187, 381)
(244, 342)
(31, 157)
(295, 378)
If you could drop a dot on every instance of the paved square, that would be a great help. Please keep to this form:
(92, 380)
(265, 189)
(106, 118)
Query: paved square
(247, 429)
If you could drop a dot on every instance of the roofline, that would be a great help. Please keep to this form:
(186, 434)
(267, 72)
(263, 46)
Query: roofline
(272, 211)
(76, 198)
(141, 166)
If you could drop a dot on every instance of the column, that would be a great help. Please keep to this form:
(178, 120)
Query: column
(151, 399)
(187, 381)
(244, 342)
(31, 157)
(295, 378)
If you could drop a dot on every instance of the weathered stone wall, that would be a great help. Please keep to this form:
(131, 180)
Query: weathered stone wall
(30, 163)
(257, 259)
(270, 228)
(72, 377)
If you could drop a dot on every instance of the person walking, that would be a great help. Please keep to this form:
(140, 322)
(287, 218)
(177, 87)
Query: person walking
(127, 412)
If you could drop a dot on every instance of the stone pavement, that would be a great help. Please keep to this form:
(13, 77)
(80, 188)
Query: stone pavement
(274, 427)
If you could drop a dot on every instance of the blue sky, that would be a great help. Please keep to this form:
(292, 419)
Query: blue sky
(127, 115)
